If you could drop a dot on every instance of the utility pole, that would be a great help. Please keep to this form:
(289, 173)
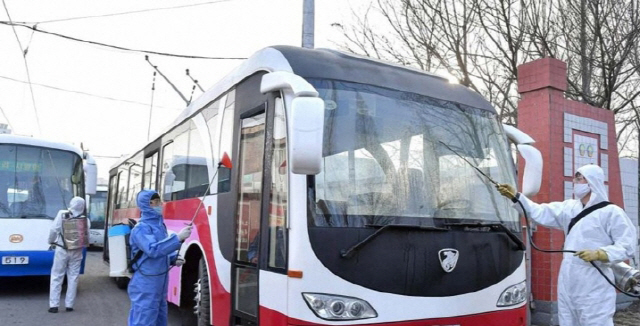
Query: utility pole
(308, 16)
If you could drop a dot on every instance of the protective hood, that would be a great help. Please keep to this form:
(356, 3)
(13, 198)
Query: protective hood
(595, 178)
(144, 204)
(76, 206)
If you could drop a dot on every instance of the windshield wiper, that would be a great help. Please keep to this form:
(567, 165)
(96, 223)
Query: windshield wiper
(500, 226)
(348, 253)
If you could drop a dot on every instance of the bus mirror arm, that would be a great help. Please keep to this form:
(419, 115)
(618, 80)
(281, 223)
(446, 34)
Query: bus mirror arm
(90, 174)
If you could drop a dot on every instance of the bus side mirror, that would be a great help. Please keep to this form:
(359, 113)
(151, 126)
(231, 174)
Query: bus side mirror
(532, 176)
(305, 141)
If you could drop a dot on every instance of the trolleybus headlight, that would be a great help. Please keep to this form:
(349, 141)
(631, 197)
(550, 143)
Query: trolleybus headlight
(513, 295)
(338, 307)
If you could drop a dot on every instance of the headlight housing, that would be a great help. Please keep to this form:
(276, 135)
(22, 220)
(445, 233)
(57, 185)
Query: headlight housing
(513, 295)
(337, 307)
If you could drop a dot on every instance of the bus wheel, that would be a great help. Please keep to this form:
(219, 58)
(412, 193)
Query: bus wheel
(202, 298)
(122, 282)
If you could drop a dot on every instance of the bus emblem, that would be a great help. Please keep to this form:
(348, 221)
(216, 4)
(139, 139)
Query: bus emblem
(16, 238)
(448, 259)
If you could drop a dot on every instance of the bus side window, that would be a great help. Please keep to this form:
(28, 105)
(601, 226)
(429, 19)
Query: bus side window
(123, 182)
(226, 142)
(135, 179)
(167, 174)
(113, 190)
(279, 190)
(150, 169)
(197, 180)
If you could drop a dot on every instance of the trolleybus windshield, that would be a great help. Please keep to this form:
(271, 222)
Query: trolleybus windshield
(384, 161)
(37, 182)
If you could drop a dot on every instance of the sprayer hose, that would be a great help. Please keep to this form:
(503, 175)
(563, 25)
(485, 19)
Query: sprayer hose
(526, 218)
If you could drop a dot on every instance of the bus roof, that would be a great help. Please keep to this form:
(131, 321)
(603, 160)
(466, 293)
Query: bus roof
(335, 65)
(29, 141)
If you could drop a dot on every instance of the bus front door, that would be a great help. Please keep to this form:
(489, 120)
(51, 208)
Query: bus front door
(249, 214)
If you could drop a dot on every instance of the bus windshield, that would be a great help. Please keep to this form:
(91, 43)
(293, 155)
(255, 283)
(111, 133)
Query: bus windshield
(392, 157)
(97, 209)
(37, 182)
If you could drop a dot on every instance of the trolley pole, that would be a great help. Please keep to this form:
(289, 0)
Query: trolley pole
(308, 16)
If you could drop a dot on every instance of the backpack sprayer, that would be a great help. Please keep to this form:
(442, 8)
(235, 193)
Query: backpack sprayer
(627, 278)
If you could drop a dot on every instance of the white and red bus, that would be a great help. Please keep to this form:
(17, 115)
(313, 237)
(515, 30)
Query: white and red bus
(350, 200)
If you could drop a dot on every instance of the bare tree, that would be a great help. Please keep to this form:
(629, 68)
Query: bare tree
(481, 43)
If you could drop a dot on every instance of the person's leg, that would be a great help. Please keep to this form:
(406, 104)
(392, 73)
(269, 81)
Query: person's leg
(597, 302)
(144, 301)
(566, 310)
(163, 313)
(57, 276)
(73, 271)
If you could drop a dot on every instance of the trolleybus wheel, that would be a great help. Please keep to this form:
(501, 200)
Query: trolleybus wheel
(203, 297)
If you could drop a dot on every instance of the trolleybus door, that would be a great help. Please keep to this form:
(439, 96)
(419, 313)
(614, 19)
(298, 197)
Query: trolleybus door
(248, 218)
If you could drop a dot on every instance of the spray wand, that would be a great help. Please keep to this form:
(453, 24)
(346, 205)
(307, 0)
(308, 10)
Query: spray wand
(226, 162)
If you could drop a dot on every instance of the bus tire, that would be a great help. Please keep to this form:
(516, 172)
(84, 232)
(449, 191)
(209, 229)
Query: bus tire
(203, 297)
(122, 282)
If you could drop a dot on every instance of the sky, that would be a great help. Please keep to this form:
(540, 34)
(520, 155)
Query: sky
(101, 97)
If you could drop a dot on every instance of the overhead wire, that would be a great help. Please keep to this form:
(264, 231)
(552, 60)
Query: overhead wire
(123, 13)
(87, 94)
(26, 65)
(119, 47)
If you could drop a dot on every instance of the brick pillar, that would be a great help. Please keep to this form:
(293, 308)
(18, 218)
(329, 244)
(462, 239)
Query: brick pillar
(569, 134)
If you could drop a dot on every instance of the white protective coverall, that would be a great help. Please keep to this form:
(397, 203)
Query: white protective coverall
(585, 298)
(65, 261)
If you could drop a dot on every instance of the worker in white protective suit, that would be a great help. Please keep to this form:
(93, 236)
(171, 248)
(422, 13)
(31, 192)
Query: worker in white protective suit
(605, 235)
(65, 261)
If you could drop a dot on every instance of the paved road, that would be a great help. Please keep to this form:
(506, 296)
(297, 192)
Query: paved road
(24, 301)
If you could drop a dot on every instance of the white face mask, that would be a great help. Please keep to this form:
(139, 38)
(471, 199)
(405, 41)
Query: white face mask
(581, 190)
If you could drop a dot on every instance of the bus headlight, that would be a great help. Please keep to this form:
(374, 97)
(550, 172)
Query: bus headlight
(337, 307)
(513, 295)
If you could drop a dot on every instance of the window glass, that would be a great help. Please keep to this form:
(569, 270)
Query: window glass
(150, 171)
(113, 190)
(279, 191)
(250, 190)
(197, 171)
(167, 176)
(392, 157)
(97, 209)
(37, 182)
(135, 179)
(226, 142)
(175, 165)
(123, 182)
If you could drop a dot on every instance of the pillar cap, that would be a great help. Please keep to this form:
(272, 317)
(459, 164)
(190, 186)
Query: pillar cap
(542, 73)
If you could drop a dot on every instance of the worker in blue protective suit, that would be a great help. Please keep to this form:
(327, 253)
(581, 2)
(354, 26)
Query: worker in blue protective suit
(604, 236)
(148, 286)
